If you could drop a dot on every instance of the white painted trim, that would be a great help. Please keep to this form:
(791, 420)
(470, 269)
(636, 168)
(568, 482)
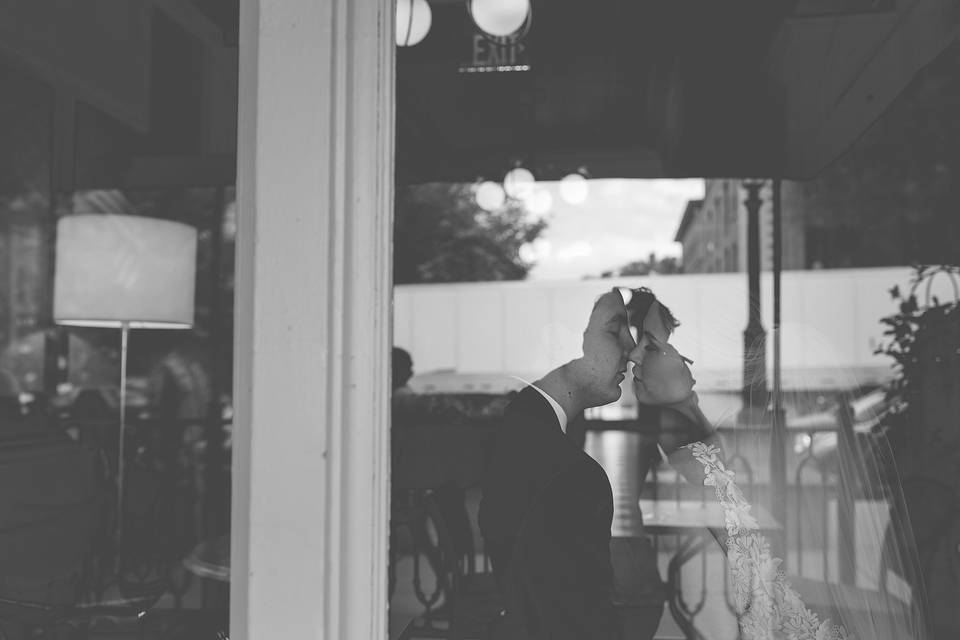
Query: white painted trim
(312, 345)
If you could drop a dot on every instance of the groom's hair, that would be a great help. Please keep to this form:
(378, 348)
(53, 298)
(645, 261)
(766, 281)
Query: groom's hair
(640, 303)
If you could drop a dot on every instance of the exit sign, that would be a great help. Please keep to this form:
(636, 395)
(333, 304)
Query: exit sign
(496, 55)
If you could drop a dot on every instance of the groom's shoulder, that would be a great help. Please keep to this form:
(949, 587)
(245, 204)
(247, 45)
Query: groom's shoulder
(527, 407)
(525, 400)
(523, 426)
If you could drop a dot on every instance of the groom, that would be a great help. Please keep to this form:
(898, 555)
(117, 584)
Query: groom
(547, 506)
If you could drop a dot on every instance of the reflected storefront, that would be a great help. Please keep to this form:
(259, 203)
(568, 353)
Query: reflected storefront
(254, 445)
(131, 109)
(117, 210)
(801, 372)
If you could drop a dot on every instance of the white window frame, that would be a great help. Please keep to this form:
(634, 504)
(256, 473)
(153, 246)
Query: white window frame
(313, 317)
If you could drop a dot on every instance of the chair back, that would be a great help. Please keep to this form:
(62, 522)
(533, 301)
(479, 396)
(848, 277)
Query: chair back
(50, 508)
(430, 454)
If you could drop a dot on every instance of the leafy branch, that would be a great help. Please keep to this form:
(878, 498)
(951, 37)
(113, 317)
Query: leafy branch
(904, 326)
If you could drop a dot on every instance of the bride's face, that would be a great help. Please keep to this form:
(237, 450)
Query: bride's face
(660, 376)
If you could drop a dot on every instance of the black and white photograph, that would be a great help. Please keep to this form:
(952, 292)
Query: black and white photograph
(479, 320)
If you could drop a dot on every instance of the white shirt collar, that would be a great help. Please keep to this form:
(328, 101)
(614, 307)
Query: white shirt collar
(557, 409)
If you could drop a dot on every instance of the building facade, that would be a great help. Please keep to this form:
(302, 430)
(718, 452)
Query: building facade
(713, 230)
(889, 200)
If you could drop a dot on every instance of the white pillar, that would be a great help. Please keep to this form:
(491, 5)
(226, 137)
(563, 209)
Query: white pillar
(311, 440)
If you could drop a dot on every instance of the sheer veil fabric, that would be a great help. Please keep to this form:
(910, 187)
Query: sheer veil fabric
(767, 605)
(861, 578)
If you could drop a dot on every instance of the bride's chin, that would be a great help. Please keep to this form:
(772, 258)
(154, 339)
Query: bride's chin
(639, 392)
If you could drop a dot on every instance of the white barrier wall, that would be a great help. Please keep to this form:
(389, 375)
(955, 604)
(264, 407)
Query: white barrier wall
(830, 324)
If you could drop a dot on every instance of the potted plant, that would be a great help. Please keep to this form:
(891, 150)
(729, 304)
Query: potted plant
(923, 429)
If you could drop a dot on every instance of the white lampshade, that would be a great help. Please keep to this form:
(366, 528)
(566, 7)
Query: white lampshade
(116, 269)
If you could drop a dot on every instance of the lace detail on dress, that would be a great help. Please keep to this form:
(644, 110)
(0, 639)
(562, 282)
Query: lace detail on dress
(767, 606)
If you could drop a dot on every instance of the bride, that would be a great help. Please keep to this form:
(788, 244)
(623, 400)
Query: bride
(766, 604)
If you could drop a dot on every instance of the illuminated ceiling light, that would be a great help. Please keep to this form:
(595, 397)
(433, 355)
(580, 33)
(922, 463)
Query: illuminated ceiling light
(574, 188)
(519, 183)
(499, 18)
(489, 196)
(538, 202)
(413, 21)
(528, 253)
(533, 252)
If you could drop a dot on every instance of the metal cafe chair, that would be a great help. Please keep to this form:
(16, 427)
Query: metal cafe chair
(57, 557)
(434, 464)
(471, 601)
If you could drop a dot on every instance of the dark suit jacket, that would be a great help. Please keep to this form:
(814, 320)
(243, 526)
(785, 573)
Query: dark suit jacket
(545, 516)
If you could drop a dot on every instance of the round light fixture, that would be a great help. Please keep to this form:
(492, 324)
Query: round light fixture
(574, 188)
(535, 251)
(519, 183)
(499, 18)
(413, 21)
(489, 196)
(527, 253)
(538, 201)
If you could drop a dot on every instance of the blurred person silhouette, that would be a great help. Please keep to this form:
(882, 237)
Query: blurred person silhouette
(418, 435)
(402, 371)
(174, 450)
(10, 409)
(407, 406)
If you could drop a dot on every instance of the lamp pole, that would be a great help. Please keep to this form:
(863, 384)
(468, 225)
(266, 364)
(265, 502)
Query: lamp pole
(89, 289)
(121, 462)
(778, 435)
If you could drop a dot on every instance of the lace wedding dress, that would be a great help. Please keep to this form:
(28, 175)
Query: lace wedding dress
(767, 607)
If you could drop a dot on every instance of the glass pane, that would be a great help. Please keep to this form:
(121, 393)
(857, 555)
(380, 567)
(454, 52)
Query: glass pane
(810, 474)
(116, 299)
(25, 223)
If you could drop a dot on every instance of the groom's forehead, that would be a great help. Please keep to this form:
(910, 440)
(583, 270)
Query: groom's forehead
(609, 307)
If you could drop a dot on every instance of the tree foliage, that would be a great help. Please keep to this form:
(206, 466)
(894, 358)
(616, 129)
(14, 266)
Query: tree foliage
(911, 319)
(668, 265)
(665, 266)
(442, 235)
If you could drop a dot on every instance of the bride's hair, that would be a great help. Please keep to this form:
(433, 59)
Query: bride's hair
(641, 300)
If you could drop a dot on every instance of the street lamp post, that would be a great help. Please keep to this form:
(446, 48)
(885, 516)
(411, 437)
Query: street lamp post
(754, 392)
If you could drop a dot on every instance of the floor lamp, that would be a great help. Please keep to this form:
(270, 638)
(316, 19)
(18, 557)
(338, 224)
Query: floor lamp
(124, 272)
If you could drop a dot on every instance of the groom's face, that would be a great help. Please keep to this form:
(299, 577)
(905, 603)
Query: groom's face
(606, 344)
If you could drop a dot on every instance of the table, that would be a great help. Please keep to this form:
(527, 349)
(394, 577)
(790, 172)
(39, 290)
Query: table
(210, 560)
(682, 516)
(693, 521)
